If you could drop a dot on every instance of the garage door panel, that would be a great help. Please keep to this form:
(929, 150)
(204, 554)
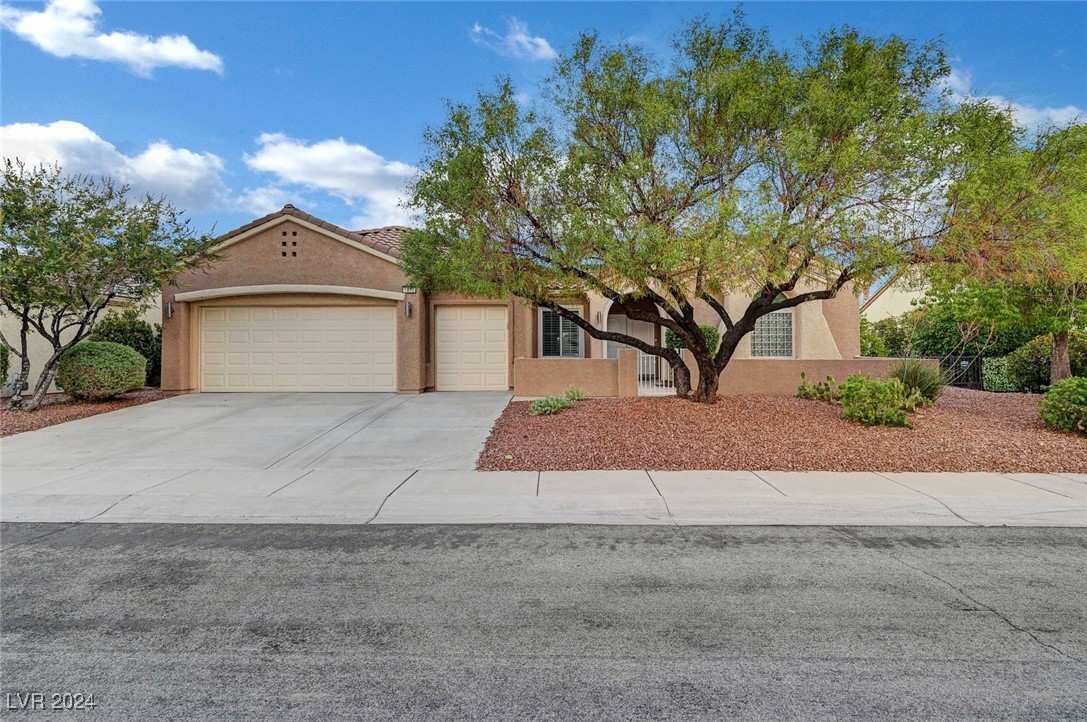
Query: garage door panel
(314, 348)
(471, 348)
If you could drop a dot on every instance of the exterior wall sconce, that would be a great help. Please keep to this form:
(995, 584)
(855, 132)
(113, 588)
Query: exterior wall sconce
(169, 310)
(407, 308)
(599, 318)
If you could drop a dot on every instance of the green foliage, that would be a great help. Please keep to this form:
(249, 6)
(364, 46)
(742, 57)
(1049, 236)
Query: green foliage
(668, 178)
(925, 378)
(95, 370)
(1064, 405)
(872, 344)
(994, 375)
(129, 329)
(1018, 228)
(712, 335)
(817, 391)
(550, 405)
(5, 363)
(1028, 366)
(878, 402)
(968, 322)
(574, 394)
(70, 245)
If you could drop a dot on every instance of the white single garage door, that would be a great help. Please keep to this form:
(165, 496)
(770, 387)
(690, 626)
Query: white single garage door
(472, 348)
(298, 348)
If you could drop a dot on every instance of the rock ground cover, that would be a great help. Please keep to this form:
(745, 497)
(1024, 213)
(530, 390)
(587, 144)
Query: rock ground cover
(58, 408)
(965, 431)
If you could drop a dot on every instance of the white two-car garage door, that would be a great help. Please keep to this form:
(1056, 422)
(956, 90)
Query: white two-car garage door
(298, 348)
(472, 348)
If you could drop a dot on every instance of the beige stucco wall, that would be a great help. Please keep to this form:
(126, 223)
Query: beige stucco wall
(781, 377)
(40, 350)
(321, 261)
(895, 299)
(547, 376)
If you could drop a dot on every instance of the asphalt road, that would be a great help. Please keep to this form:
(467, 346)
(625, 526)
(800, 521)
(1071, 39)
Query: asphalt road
(564, 622)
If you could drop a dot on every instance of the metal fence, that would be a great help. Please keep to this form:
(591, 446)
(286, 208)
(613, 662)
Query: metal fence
(962, 371)
(655, 376)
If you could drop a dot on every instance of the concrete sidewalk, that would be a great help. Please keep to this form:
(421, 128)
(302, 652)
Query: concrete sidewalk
(344, 496)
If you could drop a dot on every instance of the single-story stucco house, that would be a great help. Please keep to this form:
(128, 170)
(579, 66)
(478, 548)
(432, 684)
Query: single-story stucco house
(295, 303)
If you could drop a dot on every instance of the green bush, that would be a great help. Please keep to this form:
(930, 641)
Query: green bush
(818, 391)
(1028, 365)
(574, 394)
(129, 329)
(550, 405)
(713, 338)
(949, 326)
(994, 375)
(5, 362)
(100, 369)
(924, 377)
(872, 343)
(878, 402)
(1064, 406)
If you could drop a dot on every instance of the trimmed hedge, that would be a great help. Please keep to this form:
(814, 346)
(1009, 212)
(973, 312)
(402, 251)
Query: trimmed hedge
(129, 329)
(1028, 365)
(1064, 406)
(994, 375)
(95, 370)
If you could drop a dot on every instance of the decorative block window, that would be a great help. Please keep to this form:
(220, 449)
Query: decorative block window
(559, 337)
(773, 335)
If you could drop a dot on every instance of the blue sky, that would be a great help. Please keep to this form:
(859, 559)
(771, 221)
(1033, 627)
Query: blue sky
(234, 108)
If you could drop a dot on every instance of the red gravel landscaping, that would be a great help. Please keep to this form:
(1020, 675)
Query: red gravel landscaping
(58, 408)
(964, 431)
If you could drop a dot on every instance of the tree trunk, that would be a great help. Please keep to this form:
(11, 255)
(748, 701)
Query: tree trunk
(16, 401)
(1060, 364)
(708, 379)
(45, 380)
(682, 377)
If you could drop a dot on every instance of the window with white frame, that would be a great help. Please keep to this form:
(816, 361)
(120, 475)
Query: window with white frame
(559, 337)
(773, 335)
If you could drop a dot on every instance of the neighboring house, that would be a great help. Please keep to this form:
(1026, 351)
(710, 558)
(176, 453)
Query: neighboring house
(298, 304)
(894, 298)
(40, 349)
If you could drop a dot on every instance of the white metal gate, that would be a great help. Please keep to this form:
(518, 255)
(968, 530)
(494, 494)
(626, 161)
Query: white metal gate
(655, 376)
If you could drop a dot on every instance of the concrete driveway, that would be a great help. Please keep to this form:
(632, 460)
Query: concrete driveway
(265, 433)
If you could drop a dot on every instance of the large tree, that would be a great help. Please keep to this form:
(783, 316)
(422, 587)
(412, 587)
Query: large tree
(1018, 227)
(69, 246)
(737, 168)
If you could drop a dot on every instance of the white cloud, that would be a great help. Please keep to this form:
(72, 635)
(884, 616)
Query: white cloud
(516, 43)
(1032, 117)
(69, 28)
(351, 172)
(189, 179)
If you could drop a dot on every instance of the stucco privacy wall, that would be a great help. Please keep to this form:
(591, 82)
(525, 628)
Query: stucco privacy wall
(547, 376)
(604, 377)
(313, 259)
(40, 350)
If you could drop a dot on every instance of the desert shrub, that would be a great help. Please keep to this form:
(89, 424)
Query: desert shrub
(818, 390)
(926, 378)
(5, 362)
(994, 375)
(1028, 365)
(1064, 406)
(129, 329)
(574, 394)
(100, 369)
(550, 405)
(713, 338)
(893, 335)
(955, 325)
(878, 402)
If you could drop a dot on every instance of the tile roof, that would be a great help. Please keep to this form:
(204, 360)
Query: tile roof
(385, 239)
